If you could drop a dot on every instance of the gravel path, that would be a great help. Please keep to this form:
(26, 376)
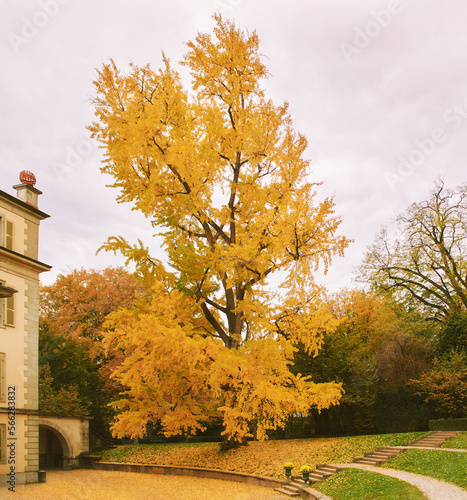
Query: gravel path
(434, 489)
(104, 485)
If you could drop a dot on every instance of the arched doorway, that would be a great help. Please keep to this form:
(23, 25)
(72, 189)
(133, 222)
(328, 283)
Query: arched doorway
(54, 451)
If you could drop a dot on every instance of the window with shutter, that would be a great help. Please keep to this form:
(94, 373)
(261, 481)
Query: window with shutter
(2, 443)
(6, 233)
(2, 313)
(10, 311)
(9, 235)
(7, 310)
(2, 378)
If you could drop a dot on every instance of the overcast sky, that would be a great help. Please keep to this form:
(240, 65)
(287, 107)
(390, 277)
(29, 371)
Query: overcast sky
(379, 88)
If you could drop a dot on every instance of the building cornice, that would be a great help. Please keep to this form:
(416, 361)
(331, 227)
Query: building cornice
(23, 205)
(6, 291)
(19, 411)
(26, 261)
(38, 413)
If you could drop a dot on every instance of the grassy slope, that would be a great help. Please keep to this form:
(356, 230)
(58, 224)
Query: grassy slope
(459, 442)
(353, 483)
(448, 466)
(261, 458)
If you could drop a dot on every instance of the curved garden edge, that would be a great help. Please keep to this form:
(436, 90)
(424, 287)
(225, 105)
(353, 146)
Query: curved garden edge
(433, 488)
(267, 482)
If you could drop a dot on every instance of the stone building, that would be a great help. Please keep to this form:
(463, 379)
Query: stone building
(21, 426)
(19, 315)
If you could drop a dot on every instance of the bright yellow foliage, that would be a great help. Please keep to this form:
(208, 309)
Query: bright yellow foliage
(220, 172)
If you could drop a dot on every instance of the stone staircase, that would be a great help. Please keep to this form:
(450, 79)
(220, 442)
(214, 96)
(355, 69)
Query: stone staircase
(381, 454)
(295, 487)
(291, 489)
(434, 439)
(323, 471)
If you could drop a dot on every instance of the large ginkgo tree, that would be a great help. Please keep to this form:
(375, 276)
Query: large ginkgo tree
(222, 175)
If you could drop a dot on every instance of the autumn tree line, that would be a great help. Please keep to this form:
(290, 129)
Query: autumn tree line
(232, 327)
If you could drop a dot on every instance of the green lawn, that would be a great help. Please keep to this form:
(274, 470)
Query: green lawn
(351, 484)
(267, 459)
(262, 458)
(459, 442)
(449, 466)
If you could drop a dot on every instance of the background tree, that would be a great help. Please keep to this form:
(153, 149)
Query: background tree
(426, 266)
(376, 349)
(71, 354)
(444, 387)
(63, 401)
(453, 334)
(77, 304)
(220, 170)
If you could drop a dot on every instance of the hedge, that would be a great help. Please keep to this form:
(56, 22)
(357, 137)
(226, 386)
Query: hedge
(451, 424)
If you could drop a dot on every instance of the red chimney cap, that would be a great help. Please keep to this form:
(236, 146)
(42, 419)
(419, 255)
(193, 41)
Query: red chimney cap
(27, 177)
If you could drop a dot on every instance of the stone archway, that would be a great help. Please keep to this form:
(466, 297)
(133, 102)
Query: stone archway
(62, 440)
(55, 449)
(52, 448)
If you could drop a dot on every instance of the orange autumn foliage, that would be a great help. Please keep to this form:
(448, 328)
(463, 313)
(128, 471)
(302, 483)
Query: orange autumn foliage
(76, 305)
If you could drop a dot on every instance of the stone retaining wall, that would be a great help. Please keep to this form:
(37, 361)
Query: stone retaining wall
(267, 482)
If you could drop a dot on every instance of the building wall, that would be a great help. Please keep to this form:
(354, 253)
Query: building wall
(20, 270)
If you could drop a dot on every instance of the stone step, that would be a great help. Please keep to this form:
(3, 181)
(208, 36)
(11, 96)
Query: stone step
(389, 449)
(423, 445)
(429, 440)
(316, 476)
(298, 481)
(332, 469)
(285, 492)
(367, 461)
(428, 443)
(380, 460)
(302, 484)
(379, 455)
(323, 473)
(291, 491)
(433, 438)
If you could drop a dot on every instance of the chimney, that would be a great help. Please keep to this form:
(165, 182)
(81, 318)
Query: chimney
(26, 191)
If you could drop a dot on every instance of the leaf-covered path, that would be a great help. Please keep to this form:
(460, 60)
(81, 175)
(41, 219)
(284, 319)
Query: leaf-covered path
(103, 485)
